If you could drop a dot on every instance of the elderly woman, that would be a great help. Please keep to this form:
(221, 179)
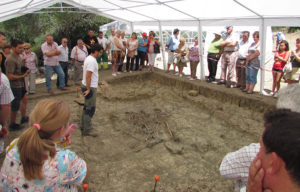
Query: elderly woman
(132, 46)
(253, 63)
(31, 62)
(182, 52)
(194, 59)
(123, 53)
(293, 76)
(117, 49)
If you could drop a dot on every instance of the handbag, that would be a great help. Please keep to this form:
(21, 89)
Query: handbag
(130, 54)
(156, 48)
(288, 67)
(183, 59)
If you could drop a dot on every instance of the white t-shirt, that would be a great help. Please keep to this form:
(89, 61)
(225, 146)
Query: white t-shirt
(90, 64)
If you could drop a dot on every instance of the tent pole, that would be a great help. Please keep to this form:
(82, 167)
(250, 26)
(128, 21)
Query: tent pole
(200, 45)
(162, 45)
(131, 28)
(262, 54)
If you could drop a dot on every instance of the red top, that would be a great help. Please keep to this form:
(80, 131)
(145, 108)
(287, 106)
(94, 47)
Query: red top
(278, 64)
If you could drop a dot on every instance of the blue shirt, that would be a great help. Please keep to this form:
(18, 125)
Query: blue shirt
(141, 48)
(173, 43)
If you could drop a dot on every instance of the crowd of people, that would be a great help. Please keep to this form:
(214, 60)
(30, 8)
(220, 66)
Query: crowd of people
(34, 161)
(239, 59)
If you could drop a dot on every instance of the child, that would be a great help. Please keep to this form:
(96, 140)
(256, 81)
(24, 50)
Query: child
(33, 162)
(281, 57)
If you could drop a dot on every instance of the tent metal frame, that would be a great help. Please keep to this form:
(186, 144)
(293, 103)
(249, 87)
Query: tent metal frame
(256, 20)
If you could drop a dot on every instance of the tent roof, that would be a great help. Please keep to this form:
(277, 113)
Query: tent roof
(173, 12)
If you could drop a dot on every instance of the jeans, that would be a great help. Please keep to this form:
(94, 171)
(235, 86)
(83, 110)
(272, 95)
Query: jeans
(64, 66)
(251, 73)
(60, 73)
(140, 59)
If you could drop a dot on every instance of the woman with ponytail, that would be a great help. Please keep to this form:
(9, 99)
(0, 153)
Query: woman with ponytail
(33, 162)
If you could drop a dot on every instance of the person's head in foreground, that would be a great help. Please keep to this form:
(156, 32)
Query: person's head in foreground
(96, 50)
(278, 161)
(34, 162)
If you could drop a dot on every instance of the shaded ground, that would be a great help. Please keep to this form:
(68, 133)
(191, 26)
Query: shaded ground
(148, 129)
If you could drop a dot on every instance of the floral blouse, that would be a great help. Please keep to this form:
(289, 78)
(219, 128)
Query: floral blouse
(64, 173)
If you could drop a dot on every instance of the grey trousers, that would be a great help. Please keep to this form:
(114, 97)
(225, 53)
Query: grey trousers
(78, 71)
(30, 83)
(88, 109)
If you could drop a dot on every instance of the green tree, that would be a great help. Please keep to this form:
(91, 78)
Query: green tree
(32, 28)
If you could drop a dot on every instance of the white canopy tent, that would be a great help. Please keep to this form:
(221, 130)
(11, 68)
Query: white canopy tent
(160, 13)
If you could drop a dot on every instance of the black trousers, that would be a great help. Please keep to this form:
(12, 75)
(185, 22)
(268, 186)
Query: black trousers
(64, 66)
(212, 61)
(140, 59)
(120, 68)
(131, 62)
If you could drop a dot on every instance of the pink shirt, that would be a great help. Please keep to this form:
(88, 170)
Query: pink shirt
(52, 60)
(151, 46)
(31, 61)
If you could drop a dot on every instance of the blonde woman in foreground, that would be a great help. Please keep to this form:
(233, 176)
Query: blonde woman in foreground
(34, 162)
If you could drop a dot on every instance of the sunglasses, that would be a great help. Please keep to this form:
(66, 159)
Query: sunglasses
(27, 48)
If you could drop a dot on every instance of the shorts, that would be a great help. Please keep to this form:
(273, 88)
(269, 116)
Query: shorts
(171, 57)
(277, 70)
(116, 57)
(294, 74)
(19, 93)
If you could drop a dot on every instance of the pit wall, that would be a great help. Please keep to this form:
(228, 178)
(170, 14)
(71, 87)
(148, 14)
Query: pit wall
(254, 102)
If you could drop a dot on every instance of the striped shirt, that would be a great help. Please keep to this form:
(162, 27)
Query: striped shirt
(6, 95)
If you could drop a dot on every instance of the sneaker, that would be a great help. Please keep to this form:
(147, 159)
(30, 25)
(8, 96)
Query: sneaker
(208, 80)
(180, 75)
(192, 79)
(91, 133)
(130, 71)
(24, 119)
(125, 71)
(14, 127)
(275, 94)
(176, 73)
(220, 83)
(118, 73)
(114, 74)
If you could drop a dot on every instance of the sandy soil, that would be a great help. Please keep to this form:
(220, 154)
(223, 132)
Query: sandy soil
(147, 128)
